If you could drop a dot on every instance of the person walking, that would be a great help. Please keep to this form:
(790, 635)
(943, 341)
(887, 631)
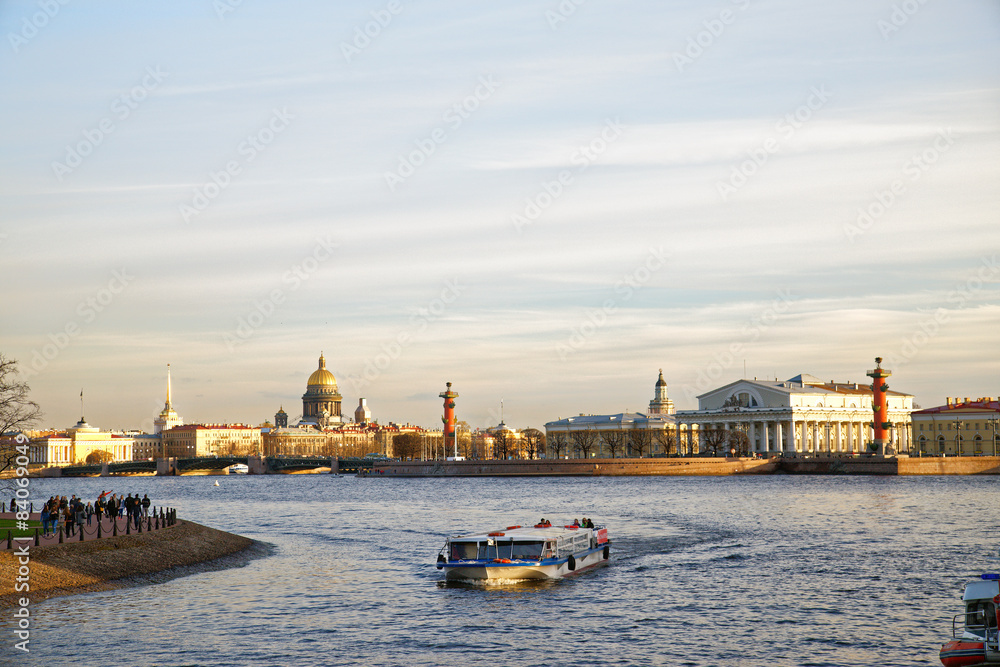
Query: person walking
(45, 520)
(145, 505)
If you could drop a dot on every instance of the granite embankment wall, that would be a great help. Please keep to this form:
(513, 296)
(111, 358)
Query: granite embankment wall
(114, 562)
(576, 467)
(969, 465)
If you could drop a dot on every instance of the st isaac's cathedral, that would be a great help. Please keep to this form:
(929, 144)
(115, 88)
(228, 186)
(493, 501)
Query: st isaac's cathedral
(321, 402)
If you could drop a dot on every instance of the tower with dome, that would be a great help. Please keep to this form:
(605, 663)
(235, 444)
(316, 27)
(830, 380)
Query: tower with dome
(321, 402)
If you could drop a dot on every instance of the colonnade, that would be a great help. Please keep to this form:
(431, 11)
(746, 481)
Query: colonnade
(802, 435)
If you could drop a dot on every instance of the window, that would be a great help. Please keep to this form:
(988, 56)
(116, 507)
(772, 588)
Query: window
(463, 550)
(527, 550)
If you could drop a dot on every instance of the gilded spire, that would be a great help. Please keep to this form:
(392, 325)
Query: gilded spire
(167, 406)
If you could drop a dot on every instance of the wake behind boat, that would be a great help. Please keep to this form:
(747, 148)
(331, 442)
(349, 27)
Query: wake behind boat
(542, 551)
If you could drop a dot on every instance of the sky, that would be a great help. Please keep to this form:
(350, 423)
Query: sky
(543, 203)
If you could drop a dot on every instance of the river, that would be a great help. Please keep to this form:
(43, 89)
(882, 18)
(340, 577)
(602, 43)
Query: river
(767, 570)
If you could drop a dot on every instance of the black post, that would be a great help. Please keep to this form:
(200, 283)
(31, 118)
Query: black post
(157, 524)
(10, 540)
(81, 532)
(128, 527)
(114, 522)
(98, 527)
(36, 537)
(138, 524)
(61, 535)
(149, 524)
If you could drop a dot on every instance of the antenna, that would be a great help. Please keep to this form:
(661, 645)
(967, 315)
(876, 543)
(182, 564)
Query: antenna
(82, 412)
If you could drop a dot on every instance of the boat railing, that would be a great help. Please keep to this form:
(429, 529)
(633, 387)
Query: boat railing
(974, 622)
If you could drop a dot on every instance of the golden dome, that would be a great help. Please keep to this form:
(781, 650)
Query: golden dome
(321, 376)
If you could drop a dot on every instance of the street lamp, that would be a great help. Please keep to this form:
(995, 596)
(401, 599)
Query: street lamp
(958, 436)
(993, 422)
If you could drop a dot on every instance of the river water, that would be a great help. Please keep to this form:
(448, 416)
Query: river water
(775, 570)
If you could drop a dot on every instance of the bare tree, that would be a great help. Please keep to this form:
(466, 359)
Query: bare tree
(534, 442)
(714, 440)
(614, 440)
(667, 440)
(560, 443)
(99, 456)
(501, 443)
(583, 441)
(17, 411)
(640, 440)
(406, 446)
(739, 443)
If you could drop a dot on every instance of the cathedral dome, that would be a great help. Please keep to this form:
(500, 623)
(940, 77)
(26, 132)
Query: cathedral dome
(322, 377)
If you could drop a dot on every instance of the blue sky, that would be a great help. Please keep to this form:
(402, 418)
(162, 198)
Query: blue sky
(540, 202)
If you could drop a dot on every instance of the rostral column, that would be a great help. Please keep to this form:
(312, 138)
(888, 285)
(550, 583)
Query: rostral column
(449, 420)
(880, 407)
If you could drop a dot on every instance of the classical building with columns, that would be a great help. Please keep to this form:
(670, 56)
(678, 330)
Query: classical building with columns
(959, 427)
(802, 415)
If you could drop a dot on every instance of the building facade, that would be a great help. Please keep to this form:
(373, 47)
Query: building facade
(960, 427)
(78, 444)
(196, 440)
(802, 415)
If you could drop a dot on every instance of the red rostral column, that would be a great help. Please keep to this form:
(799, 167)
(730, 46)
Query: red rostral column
(880, 406)
(449, 397)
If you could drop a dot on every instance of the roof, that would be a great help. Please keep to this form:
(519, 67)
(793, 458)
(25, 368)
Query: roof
(526, 532)
(977, 405)
(808, 384)
(603, 421)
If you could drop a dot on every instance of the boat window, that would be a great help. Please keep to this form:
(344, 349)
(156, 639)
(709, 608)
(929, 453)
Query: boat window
(463, 550)
(527, 550)
(500, 550)
(979, 615)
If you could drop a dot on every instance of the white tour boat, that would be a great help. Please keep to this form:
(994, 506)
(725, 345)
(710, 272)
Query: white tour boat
(542, 551)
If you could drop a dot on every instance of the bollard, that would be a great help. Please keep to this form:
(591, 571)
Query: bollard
(138, 525)
(149, 524)
(10, 540)
(157, 523)
(60, 537)
(114, 523)
(36, 537)
(98, 528)
(81, 533)
(128, 527)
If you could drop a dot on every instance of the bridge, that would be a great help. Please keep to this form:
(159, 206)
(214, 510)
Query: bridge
(208, 464)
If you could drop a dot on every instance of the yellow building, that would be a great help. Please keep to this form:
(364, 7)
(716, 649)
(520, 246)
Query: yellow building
(77, 444)
(196, 440)
(959, 428)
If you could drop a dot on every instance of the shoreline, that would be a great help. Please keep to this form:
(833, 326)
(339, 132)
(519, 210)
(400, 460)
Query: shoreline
(124, 561)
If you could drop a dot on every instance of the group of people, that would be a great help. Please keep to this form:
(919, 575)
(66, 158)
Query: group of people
(585, 523)
(72, 513)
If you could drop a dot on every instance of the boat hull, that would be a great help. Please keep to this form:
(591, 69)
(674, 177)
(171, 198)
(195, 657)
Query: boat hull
(963, 653)
(524, 570)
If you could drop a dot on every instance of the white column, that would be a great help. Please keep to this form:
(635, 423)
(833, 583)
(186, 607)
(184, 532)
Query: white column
(815, 440)
(752, 434)
(804, 436)
(777, 437)
(840, 443)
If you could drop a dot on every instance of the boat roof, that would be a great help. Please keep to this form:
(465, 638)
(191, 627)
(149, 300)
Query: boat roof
(525, 533)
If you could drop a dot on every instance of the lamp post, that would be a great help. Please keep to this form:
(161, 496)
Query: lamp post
(993, 422)
(958, 436)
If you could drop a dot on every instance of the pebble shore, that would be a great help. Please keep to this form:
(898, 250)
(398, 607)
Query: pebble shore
(115, 562)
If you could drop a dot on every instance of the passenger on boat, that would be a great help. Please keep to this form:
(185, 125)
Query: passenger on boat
(576, 522)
